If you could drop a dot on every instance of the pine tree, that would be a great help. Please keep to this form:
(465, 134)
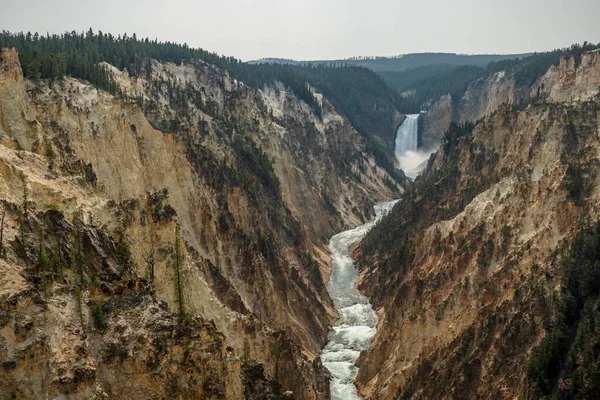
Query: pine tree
(177, 264)
(77, 265)
(25, 195)
(50, 156)
(42, 260)
(123, 255)
(22, 213)
(2, 232)
(150, 258)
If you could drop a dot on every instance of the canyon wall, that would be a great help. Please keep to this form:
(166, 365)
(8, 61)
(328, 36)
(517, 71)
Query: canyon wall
(94, 189)
(464, 270)
(483, 96)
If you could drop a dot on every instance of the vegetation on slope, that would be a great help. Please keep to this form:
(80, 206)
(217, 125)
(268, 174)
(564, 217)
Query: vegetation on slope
(566, 362)
(431, 82)
(529, 69)
(361, 95)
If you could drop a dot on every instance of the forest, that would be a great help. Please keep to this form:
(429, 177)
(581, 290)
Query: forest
(566, 363)
(430, 82)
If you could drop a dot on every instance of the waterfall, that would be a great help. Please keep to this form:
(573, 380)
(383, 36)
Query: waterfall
(412, 160)
(407, 135)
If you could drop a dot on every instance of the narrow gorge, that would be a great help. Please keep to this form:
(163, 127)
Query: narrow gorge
(177, 224)
(246, 185)
(357, 324)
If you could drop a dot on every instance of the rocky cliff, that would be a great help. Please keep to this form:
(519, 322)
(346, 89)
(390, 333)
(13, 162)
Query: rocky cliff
(95, 187)
(465, 268)
(483, 96)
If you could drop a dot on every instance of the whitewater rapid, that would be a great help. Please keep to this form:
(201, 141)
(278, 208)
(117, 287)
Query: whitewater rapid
(412, 160)
(352, 333)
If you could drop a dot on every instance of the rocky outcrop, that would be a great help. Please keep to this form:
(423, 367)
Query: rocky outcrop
(571, 80)
(257, 184)
(485, 95)
(464, 269)
(482, 97)
(436, 122)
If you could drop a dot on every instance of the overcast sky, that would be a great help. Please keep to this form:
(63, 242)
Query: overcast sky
(325, 29)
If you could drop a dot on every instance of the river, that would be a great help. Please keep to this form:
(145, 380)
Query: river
(352, 333)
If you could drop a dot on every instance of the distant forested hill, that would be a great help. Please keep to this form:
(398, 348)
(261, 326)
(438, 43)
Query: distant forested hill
(425, 77)
(407, 61)
(427, 83)
(433, 74)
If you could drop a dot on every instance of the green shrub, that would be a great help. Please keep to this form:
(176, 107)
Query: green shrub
(100, 316)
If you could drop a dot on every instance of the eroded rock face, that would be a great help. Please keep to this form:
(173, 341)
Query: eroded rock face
(482, 97)
(485, 95)
(257, 184)
(569, 81)
(436, 122)
(562, 83)
(462, 271)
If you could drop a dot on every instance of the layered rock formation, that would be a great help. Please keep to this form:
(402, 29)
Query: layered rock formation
(464, 269)
(257, 183)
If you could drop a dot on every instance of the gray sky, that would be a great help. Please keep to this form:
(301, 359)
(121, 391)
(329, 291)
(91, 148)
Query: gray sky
(325, 29)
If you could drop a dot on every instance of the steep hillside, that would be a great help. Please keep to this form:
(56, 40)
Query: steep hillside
(469, 94)
(173, 237)
(356, 93)
(465, 269)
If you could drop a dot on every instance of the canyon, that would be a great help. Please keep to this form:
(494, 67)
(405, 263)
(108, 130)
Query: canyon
(463, 270)
(254, 184)
(183, 233)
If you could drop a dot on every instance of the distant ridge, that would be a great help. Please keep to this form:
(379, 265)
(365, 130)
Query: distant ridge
(403, 62)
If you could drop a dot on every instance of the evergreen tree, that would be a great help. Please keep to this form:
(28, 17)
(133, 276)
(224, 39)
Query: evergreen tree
(123, 255)
(2, 232)
(22, 213)
(77, 265)
(150, 258)
(177, 265)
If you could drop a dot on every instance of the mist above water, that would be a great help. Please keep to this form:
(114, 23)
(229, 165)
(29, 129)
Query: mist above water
(414, 162)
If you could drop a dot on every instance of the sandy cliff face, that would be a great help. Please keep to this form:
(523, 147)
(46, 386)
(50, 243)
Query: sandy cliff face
(257, 184)
(462, 270)
(569, 81)
(485, 95)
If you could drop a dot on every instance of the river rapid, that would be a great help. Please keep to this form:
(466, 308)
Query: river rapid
(352, 333)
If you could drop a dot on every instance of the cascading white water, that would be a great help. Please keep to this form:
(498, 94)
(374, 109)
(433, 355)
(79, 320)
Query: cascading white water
(411, 160)
(407, 138)
(352, 333)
